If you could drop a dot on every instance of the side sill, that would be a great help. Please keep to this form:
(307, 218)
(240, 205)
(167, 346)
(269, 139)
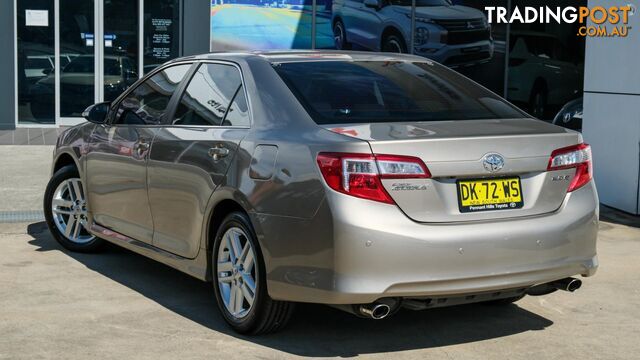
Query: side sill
(195, 267)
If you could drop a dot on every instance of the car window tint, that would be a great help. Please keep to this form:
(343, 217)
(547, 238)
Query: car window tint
(208, 96)
(335, 92)
(147, 104)
(238, 114)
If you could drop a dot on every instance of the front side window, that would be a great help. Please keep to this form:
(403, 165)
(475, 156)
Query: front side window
(335, 92)
(214, 97)
(147, 104)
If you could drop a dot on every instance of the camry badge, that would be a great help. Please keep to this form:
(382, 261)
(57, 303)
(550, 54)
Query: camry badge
(493, 162)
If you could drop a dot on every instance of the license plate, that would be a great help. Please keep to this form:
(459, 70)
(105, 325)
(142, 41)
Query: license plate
(489, 194)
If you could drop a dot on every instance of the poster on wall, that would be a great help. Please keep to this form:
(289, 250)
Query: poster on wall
(161, 26)
(36, 17)
(161, 38)
(260, 24)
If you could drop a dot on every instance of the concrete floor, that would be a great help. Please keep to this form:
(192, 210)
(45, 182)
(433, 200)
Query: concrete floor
(24, 174)
(56, 304)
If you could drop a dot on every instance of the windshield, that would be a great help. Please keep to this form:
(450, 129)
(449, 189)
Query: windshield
(420, 2)
(338, 92)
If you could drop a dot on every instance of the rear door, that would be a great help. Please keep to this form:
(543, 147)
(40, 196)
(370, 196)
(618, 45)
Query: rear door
(192, 152)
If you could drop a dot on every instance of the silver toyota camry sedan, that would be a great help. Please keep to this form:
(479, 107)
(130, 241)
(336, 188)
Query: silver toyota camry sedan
(369, 182)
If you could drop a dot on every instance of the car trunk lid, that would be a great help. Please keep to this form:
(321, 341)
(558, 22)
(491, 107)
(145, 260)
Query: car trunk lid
(455, 151)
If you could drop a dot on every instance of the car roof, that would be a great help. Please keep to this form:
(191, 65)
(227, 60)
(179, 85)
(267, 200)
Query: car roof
(282, 56)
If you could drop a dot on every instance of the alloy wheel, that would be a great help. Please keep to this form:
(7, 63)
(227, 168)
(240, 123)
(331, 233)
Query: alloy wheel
(69, 209)
(236, 272)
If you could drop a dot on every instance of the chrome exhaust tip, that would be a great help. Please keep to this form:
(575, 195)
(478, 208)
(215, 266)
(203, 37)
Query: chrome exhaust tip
(375, 311)
(567, 284)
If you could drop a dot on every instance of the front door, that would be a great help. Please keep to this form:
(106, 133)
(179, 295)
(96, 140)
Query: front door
(191, 155)
(117, 156)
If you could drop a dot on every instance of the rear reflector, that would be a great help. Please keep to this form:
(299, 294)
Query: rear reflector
(575, 156)
(359, 175)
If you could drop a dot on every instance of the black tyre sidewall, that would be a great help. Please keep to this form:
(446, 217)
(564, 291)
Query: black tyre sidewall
(61, 175)
(345, 44)
(539, 90)
(399, 40)
(248, 323)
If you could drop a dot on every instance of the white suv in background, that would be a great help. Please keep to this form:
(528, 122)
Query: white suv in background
(453, 35)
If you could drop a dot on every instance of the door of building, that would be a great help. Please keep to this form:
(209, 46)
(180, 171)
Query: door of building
(73, 53)
(99, 39)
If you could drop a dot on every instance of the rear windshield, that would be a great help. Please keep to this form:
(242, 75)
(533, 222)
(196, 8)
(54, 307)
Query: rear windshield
(338, 92)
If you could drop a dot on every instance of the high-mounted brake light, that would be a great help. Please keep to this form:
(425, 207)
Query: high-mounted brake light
(575, 156)
(360, 174)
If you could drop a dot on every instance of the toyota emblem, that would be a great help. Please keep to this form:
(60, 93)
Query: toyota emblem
(493, 162)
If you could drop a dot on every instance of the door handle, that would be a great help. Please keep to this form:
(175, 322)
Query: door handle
(218, 152)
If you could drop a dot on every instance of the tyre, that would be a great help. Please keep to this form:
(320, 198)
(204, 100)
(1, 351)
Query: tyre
(239, 280)
(340, 36)
(65, 211)
(538, 101)
(393, 43)
(505, 301)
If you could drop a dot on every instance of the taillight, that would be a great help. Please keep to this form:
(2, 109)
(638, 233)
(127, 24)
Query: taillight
(575, 156)
(360, 174)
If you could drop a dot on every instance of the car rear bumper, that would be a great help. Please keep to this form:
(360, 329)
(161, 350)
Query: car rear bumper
(356, 251)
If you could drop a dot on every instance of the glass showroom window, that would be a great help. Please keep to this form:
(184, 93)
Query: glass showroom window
(36, 61)
(161, 32)
(77, 49)
(544, 57)
(120, 46)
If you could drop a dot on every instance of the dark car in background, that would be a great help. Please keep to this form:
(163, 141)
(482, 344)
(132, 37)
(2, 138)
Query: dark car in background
(77, 82)
(453, 35)
(543, 75)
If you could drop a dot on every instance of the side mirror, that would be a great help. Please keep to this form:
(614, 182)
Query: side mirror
(97, 113)
(376, 4)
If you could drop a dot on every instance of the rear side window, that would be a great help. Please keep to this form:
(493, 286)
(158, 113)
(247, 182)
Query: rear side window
(335, 92)
(147, 104)
(214, 97)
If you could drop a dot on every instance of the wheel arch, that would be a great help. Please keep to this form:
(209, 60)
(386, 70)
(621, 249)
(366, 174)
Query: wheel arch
(222, 203)
(63, 159)
(217, 215)
(391, 30)
(335, 20)
(539, 83)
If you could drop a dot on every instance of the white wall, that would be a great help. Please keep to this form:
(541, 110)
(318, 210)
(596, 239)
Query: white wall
(611, 121)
